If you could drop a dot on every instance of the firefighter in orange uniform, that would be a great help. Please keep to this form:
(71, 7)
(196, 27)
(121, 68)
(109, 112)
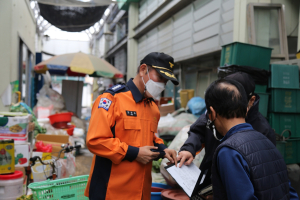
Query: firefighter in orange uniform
(122, 134)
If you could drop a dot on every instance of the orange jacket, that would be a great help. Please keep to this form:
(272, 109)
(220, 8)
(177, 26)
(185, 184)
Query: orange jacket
(121, 122)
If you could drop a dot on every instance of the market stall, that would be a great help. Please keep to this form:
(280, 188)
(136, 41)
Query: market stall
(41, 143)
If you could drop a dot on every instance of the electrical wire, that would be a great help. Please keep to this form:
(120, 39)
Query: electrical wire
(294, 30)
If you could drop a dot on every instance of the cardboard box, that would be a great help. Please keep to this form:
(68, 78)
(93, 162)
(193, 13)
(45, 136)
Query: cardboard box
(22, 155)
(55, 141)
(166, 108)
(165, 100)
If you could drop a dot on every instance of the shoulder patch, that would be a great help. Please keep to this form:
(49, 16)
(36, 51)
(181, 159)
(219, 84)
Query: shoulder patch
(116, 89)
(104, 103)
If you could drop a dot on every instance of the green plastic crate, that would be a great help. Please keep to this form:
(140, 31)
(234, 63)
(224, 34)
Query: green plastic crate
(285, 100)
(284, 76)
(290, 150)
(260, 88)
(280, 122)
(243, 54)
(263, 103)
(68, 188)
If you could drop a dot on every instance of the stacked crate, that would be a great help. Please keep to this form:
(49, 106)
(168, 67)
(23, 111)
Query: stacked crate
(280, 102)
(284, 109)
(243, 54)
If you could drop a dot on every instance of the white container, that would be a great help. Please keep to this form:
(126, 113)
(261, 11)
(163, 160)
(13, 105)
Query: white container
(16, 126)
(42, 172)
(11, 186)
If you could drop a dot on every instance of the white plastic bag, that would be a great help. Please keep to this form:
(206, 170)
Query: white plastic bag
(68, 165)
(166, 121)
(48, 100)
(54, 131)
(171, 125)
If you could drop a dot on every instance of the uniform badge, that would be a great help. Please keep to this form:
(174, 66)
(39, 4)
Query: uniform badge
(116, 87)
(131, 113)
(105, 103)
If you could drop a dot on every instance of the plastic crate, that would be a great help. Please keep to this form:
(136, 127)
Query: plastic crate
(238, 53)
(263, 103)
(285, 100)
(280, 122)
(290, 150)
(68, 188)
(284, 76)
(260, 88)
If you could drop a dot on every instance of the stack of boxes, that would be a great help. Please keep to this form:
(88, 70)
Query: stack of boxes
(284, 109)
(280, 101)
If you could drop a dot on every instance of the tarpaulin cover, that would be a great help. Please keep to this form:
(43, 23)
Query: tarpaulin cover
(72, 19)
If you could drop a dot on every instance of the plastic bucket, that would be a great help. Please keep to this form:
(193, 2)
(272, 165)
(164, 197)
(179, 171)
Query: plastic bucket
(184, 98)
(12, 185)
(191, 93)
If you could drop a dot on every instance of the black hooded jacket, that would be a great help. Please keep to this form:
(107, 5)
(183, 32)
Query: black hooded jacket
(199, 134)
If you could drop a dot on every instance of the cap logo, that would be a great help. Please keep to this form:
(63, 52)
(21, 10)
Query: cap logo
(171, 65)
(168, 74)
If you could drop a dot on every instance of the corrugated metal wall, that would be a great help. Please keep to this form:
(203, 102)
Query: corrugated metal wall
(147, 7)
(121, 60)
(198, 29)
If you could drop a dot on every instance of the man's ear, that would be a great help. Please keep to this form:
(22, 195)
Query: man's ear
(251, 102)
(213, 113)
(143, 70)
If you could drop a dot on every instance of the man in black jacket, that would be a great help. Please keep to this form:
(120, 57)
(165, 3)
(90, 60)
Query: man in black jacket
(246, 165)
(199, 134)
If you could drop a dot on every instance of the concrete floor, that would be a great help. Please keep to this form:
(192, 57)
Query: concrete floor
(83, 162)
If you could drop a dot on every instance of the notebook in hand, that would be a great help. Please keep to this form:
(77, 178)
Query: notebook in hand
(189, 179)
(186, 177)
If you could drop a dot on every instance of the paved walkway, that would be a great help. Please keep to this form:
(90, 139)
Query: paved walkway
(83, 162)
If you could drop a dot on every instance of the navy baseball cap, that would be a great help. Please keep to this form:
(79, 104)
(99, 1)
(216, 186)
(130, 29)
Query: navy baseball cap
(163, 64)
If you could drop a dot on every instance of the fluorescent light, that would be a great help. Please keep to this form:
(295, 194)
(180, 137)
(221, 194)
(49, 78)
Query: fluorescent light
(101, 21)
(84, 0)
(92, 30)
(32, 4)
(107, 11)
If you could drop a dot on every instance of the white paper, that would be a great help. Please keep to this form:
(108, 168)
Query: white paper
(186, 176)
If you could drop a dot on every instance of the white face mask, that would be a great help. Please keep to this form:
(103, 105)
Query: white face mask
(154, 88)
